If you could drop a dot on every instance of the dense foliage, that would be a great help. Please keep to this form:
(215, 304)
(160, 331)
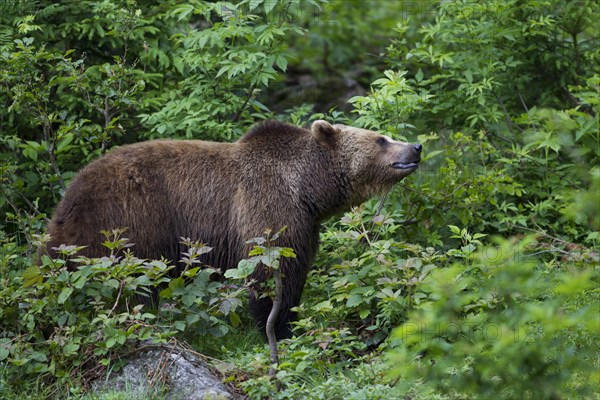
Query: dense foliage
(478, 278)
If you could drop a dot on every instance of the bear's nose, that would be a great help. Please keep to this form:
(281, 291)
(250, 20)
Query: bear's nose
(418, 147)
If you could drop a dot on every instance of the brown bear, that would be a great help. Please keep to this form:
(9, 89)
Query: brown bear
(225, 193)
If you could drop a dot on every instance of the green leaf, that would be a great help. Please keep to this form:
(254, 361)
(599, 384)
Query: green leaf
(454, 229)
(191, 272)
(287, 252)
(113, 283)
(32, 276)
(176, 283)
(419, 75)
(166, 293)
(282, 62)
(256, 251)
(354, 300)
(222, 70)
(234, 318)
(323, 306)
(30, 153)
(269, 5)
(469, 76)
(62, 320)
(38, 356)
(245, 268)
(64, 295)
(183, 11)
(64, 142)
(255, 3)
(179, 325)
(110, 342)
(188, 299)
(4, 352)
(142, 280)
(432, 154)
(70, 348)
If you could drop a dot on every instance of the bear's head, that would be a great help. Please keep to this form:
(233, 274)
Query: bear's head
(372, 162)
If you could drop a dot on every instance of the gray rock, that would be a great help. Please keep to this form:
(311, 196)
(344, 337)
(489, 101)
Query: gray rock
(166, 373)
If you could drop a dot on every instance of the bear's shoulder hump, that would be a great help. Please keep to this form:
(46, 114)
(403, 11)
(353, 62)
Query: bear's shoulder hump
(271, 129)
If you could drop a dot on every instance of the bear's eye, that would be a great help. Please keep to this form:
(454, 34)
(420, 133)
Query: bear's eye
(382, 141)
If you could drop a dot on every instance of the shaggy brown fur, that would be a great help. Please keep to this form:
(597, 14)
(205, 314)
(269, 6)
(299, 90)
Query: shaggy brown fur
(226, 193)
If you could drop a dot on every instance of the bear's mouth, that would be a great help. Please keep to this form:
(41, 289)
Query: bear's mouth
(400, 165)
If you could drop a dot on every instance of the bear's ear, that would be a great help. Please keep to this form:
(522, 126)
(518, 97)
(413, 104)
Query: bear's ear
(323, 130)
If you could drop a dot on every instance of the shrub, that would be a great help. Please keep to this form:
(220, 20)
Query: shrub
(68, 324)
(501, 327)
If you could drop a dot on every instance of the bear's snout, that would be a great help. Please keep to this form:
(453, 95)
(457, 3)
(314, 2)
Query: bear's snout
(409, 158)
(417, 147)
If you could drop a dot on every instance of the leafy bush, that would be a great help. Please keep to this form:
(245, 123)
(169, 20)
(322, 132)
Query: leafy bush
(503, 156)
(224, 62)
(63, 323)
(370, 278)
(502, 327)
(131, 72)
(39, 166)
(363, 379)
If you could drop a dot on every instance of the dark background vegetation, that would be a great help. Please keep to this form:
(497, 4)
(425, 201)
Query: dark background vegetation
(479, 277)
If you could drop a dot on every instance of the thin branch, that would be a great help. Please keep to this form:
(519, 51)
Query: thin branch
(10, 203)
(238, 114)
(270, 326)
(49, 137)
(121, 284)
(107, 119)
(454, 191)
(523, 102)
(508, 120)
(382, 202)
(543, 233)
(526, 109)
(163, 363)
(548, 251)
(502, 138)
